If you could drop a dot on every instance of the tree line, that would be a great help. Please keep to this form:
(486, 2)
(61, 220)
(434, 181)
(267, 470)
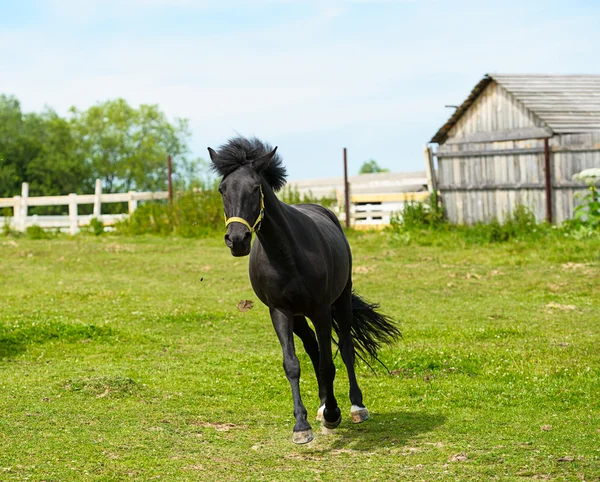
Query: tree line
(125, 147)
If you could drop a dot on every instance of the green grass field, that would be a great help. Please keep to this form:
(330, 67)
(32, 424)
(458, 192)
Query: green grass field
(127, 359)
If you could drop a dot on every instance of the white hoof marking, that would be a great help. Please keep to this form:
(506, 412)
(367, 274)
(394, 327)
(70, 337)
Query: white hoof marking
(320, 413)
(358, 414)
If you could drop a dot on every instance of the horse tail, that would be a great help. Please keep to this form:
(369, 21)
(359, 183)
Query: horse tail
(369, 328)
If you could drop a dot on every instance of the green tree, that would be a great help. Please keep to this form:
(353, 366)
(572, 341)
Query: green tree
(371, 166)
(127, 148)
(39, 149)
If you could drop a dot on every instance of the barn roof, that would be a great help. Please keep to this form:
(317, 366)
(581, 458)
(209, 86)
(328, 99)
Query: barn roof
(564, 103)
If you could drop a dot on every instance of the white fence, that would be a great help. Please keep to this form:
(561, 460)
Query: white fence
(370, 211)
(20, 219)
(373, 197)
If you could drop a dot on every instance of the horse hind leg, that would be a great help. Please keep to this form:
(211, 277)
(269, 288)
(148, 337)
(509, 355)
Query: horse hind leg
(344, 315)
(331, 415)
(309, 339)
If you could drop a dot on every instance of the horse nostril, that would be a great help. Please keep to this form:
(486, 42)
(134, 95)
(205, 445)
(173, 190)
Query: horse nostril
(247, 235)
(228, 241)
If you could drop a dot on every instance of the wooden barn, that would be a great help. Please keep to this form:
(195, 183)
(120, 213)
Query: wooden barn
(518, 139)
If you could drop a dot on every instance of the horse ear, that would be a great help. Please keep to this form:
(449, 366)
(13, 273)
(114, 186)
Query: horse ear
(213, 155)
(263, 161)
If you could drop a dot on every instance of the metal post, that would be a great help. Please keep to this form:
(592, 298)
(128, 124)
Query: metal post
(548, 176)
(346, 188)
(169, 175)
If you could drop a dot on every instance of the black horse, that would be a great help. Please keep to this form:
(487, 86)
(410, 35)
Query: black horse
(300, 266)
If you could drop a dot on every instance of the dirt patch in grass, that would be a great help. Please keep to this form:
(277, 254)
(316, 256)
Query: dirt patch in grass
(103, 386)
(218, 426)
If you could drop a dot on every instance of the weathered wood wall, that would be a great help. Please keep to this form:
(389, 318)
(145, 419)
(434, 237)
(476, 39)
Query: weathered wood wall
(571, 153)
(482, 181)
(493, 161)
(494, 110)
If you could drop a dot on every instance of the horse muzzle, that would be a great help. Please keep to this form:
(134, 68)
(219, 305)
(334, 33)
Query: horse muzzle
(238, 240)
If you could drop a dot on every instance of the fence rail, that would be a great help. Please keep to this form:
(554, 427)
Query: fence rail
(20, 219)
(375, 210)
(368, 210)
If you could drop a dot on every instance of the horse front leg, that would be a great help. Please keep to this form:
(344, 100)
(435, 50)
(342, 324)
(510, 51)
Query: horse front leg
(284, 327)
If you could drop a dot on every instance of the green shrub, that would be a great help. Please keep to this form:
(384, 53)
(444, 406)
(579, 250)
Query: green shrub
(428, 214)
(35, 232)
(194, 213)
(96, 226)
(588, 212)
(6, 229)
(425, 226)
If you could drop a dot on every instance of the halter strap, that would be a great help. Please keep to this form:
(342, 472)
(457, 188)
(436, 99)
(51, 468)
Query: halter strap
(261, 215)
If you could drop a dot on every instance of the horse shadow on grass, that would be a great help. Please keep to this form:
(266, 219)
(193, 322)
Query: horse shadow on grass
(382, 430)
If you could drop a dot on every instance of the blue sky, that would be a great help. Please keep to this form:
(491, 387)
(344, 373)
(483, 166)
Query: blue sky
(309, 76)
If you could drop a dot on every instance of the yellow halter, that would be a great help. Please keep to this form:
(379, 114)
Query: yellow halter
(253, 229)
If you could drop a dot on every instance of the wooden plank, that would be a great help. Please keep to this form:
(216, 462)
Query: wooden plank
(502, 135)
(430, 170)
(400, 196)
(489, 152)
(491, 186)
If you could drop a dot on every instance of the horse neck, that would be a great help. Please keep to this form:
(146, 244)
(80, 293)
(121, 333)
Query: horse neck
(275, 234)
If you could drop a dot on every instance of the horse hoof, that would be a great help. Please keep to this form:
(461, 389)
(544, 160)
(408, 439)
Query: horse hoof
(303, 437)
(331, 425)
(320, 413)
(359, 414)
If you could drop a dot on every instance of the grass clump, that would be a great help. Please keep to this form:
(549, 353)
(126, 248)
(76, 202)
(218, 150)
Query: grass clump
(36, 232)
(102, 386)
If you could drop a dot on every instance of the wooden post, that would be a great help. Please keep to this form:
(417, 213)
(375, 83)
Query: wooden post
(430, 170)
(169, 176)
(23, 210)
(548, 176)
(132, 202)
(73, 225)
(98, 199)
(17, 212)
(346, 188)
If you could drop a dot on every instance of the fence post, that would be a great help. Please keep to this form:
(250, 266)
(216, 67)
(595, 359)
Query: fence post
(23, 210)
(74, 227)
(17, 212)
(132, 202)
(430, 170)
(98, 199)
(346, 188)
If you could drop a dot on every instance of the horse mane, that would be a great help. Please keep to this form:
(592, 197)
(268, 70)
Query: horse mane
(240, 151)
